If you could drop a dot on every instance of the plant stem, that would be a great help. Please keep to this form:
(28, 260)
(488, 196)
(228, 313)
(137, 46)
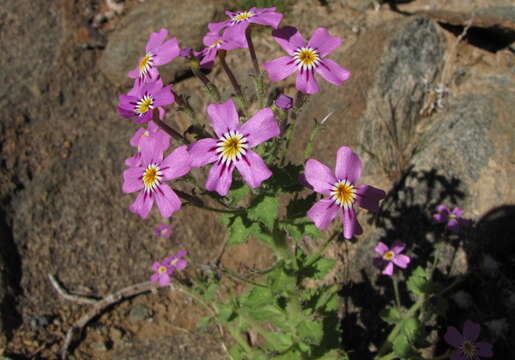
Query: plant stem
(252, 51)
(195, 201)
(234, 82)
(173, 133)
(395, 282)
(210, 87)
(242, 279)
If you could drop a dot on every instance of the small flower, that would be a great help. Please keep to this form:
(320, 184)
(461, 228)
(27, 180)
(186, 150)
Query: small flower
(148, 178)
(239, 21)
(284, 102)
(452, 217)
(213, 43)
(157, 52)
(164, 230)
(232, 149)
(306, 59)
(166, 268)
(466, 345)
(390, 257)
(186, 52)
(342, 191)
(161, 137)
(140, 102)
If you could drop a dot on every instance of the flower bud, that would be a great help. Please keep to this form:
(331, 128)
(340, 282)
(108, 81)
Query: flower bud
(284, 102)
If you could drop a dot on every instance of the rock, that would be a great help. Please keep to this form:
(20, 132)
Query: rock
(38, 322)
(140, 312)
(100, 346)
(183, 19)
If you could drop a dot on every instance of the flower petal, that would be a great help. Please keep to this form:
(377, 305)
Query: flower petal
(381, 248)
(216, 27)
(177, 164)
(236, 32)
(156, 39)
(181, 264)
(368, 197)
(134, 141)
(132, 180)
(471, 330)
(151, 150)
(388, 270)
(224, 117)
(261, 127)
(457, 355)
(439, 218)
(167, 52)
(306, 82)
(484, 349)
(453, 226)
(164, 96)
(143, 204)
(253, 169)
(167, 200)
(220, 178)
(289, 38)
(323, 42)
(398, 247)
(457, 212)
(203, 152)
(164, 279)
(332, 72)
(280, 68)
(443, 209)
(323, 213)
(401, 261)
(267, 18)
(348, 165)
(453, 337)
(351, 225)
(319, 176)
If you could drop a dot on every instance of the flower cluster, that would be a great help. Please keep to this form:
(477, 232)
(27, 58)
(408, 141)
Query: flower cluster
(452, 218)
(163, 270)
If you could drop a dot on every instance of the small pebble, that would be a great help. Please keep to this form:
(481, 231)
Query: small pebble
(140, 312)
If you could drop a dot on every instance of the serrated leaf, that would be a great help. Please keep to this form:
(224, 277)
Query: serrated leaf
(265, 313)
(278, 341)
(225, 313)
(259, 296)
(391, 315)
(418, 282)
(328, 299)
(264, 209)
(402, 347)
(310, 331)
(240, 230)
(412, 330)
(282, 281)
(237, 194)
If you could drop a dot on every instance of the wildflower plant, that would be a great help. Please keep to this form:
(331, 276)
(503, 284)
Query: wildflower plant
(293, 311)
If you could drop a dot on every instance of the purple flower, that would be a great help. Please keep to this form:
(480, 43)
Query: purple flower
(451, 217)
(161, 137)
(232, 148)
(390, 257)
(239, 21)
(306, 59)
(148, 178)
(186, 52)
(342, 191)
(466, 345)
(214, 42)
(164, 230)
(140, 102)
(165, 269)
(157, 52)
(284, 102)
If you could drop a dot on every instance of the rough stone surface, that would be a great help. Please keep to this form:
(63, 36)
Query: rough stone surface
(183, 19)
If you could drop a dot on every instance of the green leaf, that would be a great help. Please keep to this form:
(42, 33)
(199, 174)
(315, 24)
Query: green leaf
(282, 281)
(278, 341)
(412, 330)
(225, 313)
(237, 352)
(264, 209)
(311, 331)
(334, 355)
(418, 283)
(299, 207)
(237, 194)
(328, 298)
(203, 323)
(402, 347)
(297, 230)
(265, 313)
(391, 315)
(323, 266)
(257, 297)
(239, 229)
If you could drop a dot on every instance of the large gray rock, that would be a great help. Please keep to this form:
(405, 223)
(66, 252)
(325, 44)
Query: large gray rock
(186, 20)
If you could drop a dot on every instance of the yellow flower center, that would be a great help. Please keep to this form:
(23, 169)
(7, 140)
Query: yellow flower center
(231, 147)
(145, 63)
(343, 193)
(306, 58)
(162, 269)
(174, 261)
(151, 177)
(452, 217)
(389, 255)
(144, 104)
(242, 16)
(468, 349)
(217, 43)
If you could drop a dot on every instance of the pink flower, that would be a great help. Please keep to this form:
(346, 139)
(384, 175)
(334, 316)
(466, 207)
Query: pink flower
(213, 43)
(161, 137)
(164, 230)
(157, 52)
(148, 178)
(390, 257)
(140, 102)
(232, 148)
(453, 218)
(239, 21)
(284, 102)
(306, 59)
(466, 345)
(165, 269)
(342, 191)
